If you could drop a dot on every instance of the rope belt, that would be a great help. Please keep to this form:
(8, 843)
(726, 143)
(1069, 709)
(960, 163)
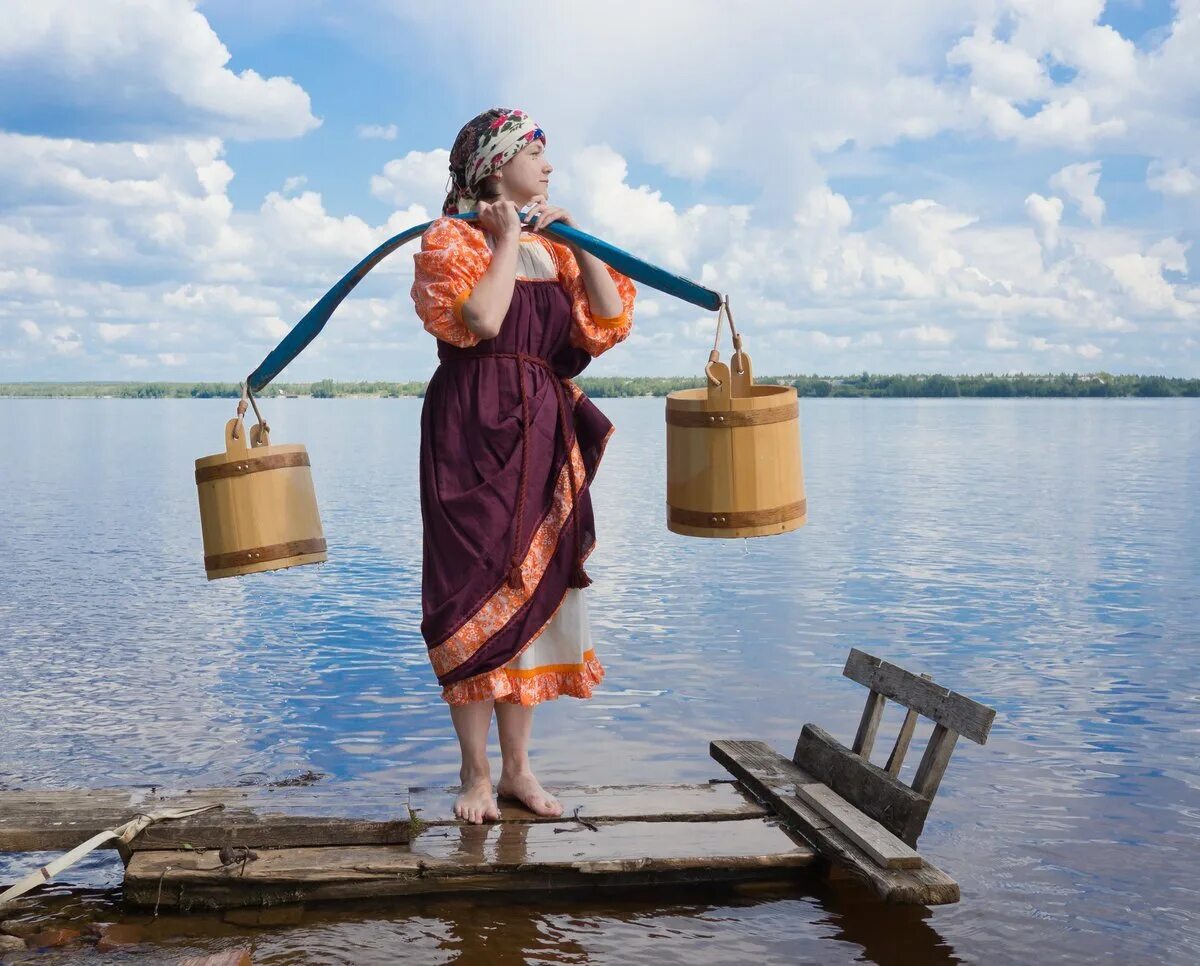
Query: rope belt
(579, 578)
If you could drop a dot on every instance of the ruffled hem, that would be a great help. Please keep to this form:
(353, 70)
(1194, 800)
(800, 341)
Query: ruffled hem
(528, 687)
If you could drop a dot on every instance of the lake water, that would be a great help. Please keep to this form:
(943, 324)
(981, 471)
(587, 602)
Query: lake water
(1041, 556)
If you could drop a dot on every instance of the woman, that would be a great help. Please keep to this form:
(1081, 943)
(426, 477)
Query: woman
(509, 446)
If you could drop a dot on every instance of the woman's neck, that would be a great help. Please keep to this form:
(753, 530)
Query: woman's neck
(519, 202)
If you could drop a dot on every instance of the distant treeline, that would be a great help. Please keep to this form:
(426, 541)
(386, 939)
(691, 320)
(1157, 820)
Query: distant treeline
(863, 385)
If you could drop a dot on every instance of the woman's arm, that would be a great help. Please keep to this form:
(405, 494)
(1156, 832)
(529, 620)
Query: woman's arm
(484, 311)
(602, 291)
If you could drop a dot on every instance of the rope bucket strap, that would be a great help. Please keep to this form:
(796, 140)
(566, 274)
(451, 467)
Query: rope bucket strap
(123, 834)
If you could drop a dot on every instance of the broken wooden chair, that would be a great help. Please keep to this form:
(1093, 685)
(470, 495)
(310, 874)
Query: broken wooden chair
(859, 816)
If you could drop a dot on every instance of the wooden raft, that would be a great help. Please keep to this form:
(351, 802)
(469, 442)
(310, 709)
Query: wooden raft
(339, 842)
(319, 843)
(857, 815)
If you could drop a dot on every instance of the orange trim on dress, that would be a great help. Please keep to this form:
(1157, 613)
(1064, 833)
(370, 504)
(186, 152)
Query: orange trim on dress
(530, 686)
(507, 601)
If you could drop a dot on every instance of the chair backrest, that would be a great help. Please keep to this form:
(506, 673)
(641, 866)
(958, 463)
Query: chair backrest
(878, 792)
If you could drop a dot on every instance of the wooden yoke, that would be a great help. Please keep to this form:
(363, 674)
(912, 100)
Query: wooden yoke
(878, 792)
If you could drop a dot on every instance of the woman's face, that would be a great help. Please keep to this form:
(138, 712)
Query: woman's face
(526, 174)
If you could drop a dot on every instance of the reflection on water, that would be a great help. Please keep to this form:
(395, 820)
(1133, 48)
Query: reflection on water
(1041, 556)
(764, 922)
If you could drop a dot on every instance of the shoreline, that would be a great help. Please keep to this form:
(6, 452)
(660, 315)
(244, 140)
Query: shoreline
(862, 386)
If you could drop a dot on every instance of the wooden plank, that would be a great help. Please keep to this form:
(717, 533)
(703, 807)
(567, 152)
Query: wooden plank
(903, 740)
(867, 787)
(508, 857)
(956, 711)
(934, 761)
(252, 816)
(887, 851)
(264, 817)
(868, 727)
(773, 779)
(707, 802)
(57, 820)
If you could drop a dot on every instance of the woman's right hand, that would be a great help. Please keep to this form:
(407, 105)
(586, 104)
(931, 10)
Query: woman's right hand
(500, 219)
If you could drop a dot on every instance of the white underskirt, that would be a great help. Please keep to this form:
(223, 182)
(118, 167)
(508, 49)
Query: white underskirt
(565, 640)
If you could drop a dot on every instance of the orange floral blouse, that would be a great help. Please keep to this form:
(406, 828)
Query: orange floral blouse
(453, 257)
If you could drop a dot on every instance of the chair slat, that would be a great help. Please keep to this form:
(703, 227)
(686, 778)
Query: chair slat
(868, 727)
(934, 761)
(956, 711)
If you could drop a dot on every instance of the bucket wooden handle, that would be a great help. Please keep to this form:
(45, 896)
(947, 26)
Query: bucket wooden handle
(741, 373)
(726, 382)
(718, 382)
(235, 436)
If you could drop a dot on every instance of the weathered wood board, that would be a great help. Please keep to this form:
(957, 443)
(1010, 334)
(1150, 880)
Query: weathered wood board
(506, 856)
(773, 779)
(264, 817)
(882, 846)
(875, 793)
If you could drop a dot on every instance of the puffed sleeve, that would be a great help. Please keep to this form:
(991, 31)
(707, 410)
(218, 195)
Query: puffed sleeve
(589, 332)
(452, 259)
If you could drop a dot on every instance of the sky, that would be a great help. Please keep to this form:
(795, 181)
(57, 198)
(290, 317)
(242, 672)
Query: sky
(957, 186)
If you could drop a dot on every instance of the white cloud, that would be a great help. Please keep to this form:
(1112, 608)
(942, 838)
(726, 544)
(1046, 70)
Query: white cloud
(137, 244)
(378, 132)
(998, 338)
(419, 177)
(999, 68)
(1041, 344)
(57, 339)
(112, 332)
(1046, 214)
(1140, 278)
(1173, 179)
(933, 335)
(64, 340)
(685, 148)
(1079, 182)
(127, 68)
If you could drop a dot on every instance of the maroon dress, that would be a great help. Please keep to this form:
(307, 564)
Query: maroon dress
(509, 446)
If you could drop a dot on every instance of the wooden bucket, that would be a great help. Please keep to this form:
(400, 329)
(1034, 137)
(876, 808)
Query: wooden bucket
(733, 456)
(258, 508)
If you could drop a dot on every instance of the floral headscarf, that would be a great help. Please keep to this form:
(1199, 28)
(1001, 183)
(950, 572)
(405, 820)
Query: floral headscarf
(484, 145)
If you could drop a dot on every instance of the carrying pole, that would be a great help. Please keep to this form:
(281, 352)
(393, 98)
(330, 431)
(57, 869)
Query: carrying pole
(309, 327)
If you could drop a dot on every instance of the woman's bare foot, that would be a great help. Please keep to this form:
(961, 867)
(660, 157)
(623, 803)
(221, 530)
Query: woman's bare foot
(475, 803)
(524, 787)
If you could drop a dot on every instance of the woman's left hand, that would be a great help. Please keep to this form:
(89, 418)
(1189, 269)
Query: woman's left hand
(543, 214)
